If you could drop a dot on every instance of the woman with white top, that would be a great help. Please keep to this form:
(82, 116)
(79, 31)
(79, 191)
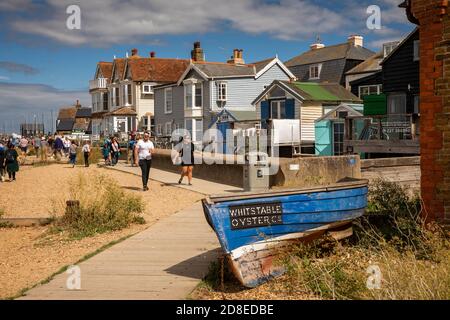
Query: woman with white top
(86, 152)
(143, 157)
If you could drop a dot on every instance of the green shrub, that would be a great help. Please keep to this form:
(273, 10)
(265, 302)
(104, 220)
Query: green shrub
(101, 205)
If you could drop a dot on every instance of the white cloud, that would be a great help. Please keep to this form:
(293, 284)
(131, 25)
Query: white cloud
(20, 102)
(4, 78)
(116, 21)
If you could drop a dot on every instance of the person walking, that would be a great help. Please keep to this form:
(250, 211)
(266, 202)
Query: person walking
(115, 150)
(73, 153)
(44, 149)
(2, 161)
(143, 158)
(37, 145)
(186, 153)
(23, 145)
(58, 146)
(66, 144)
(86, 152)
(131, 145)
(12, 165)
(107, 151)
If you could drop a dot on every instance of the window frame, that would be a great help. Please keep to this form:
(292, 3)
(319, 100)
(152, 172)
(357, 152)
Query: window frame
(168, 132)
(166, 109)
(220, 96)
(378, 86)
(319, 69)
(278, 109)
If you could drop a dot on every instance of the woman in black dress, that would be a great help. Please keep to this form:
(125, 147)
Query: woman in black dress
(186, 153)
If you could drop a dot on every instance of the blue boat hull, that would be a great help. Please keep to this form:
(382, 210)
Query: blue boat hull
(250, 226)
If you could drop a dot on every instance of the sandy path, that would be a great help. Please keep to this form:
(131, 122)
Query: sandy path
(26, 257)
(36, 191)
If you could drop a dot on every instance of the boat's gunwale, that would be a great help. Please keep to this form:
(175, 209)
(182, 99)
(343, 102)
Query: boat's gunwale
(359, 183)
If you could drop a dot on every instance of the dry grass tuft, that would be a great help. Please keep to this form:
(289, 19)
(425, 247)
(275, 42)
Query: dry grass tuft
(101, 205)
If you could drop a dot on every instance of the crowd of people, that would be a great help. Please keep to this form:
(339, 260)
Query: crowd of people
(45, 147)
(140, 153)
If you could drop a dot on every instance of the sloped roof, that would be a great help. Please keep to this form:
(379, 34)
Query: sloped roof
(83, 113)
(400, 45)
(124, 111)
(335, 52)
(106, 69)
(218, 69)
(372, 64)
(67, 112)
(259, 65)
(310, 91)
(119, 66)
(157, 69)
(65, 125)
(332, 114)
(81, 126)
(322, 91)
(241, 115)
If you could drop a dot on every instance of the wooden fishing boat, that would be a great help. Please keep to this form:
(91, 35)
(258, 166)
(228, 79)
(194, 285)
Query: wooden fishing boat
(252, 227)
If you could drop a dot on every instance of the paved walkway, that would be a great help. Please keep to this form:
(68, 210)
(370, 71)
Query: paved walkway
(165, 261)
(170, 178)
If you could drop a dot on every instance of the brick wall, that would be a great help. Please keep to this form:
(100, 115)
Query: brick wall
(434, 21)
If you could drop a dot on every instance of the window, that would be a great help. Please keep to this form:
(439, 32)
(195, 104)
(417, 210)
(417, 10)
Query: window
(368, 90)
(145, 122)
(222, 91)
(195, 127)
(277, 110)
(168, 128)
(168, 100)
(396, 104)
(198, 130)
(198, 95)
(105, 101)
(338, 138)
(147, 88)
(388, 47)
(416, 50)
(314, 71)
(159, 130)
(188, 95)
(117, 96)
(129, 94)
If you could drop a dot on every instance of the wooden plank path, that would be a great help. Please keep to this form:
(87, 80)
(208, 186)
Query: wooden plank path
(165, 261)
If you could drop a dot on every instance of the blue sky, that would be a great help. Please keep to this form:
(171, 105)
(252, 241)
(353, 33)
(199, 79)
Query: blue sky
(44, 65)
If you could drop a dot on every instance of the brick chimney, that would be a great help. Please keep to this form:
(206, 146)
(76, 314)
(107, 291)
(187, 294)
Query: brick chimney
(356, 40)
(78, 105)
(197, 52)
(237, 57)
(152, 54)
(134, 52)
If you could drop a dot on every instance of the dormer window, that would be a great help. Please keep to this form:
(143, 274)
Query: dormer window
(147, 88)
(388, 48)
(314, 71)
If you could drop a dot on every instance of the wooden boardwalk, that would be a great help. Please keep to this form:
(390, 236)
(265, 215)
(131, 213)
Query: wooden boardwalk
(165, 261)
